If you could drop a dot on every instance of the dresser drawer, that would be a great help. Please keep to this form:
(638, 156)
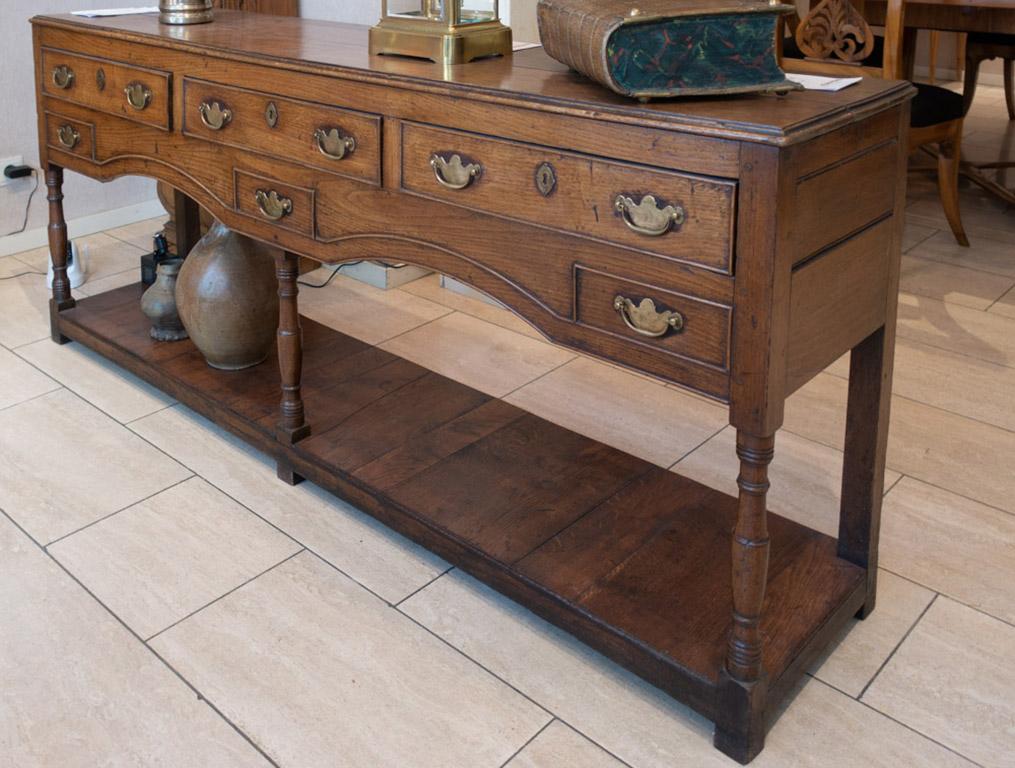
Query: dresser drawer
(338, 140)
(142, 95)
(673, 215)
(276, 202)
(649, 316)
(68, 135)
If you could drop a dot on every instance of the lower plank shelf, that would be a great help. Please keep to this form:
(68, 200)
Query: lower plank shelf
(630, 558)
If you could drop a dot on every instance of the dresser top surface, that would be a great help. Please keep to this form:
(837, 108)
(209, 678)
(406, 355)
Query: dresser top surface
(529, 78)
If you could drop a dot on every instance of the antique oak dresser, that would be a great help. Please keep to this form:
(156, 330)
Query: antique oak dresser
(733, 246)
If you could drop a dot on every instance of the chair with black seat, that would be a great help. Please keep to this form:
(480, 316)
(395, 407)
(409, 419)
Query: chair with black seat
(834, 39)
(981, 46)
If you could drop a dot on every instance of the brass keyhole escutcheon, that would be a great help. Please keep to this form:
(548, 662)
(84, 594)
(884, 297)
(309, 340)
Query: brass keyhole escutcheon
(100, 79)
(271, 114)
(546, 179)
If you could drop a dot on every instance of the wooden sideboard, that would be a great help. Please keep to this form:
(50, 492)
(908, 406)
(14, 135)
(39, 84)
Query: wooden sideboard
(732, 246)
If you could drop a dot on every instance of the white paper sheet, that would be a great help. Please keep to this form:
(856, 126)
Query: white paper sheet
(822, 83)
(117, 12)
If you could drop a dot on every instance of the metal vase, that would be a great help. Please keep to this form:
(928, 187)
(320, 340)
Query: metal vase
(185, 11)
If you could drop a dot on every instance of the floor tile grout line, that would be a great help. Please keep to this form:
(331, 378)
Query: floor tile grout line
(540, 377)
(33, 397)
(907, 473)
(949, 596)
(416, 591)
(151, 650)
(400, 334)
(970, 267)
(898, 645)
(531, 739)
(133, 504)
(145, 416)
(898, 722)
(672, 467)
(890, 488)
(510, 685)
(921, 241)
(1010, 291)
(238, 587)
(66, 386)
(939, 408)
(902, 333)
(276, 527)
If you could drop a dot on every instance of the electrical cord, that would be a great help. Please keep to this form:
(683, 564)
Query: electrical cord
(28, 208)
(22, 274)
(340, 267)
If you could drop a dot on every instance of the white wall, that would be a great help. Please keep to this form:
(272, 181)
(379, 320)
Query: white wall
(18, 132)
(349, 11)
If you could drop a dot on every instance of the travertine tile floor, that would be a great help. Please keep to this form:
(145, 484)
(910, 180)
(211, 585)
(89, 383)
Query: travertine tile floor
(166, 602)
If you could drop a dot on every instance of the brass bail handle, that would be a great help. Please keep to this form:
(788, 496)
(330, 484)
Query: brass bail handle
(645, 319)
(68, 136)
(648, 217)
(139, 95)
(333, 144)
(214, 116)
(453, 172)
(273, 206)
(63, 77)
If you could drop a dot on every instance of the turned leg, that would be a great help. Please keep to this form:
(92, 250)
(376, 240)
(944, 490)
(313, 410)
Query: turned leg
(58, 252)
(292, 424)
(863, 471)
(740, 724)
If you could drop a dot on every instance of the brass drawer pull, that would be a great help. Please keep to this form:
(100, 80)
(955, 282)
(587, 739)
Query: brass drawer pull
(453, 173)
(272, 205)
(333, 144)
(139, 95)
(214, 115)
(647, 218)
(68, 136)
(645, 319)
(63, 77)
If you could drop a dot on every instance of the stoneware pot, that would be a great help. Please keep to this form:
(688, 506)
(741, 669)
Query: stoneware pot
(159, 303)
(227, 295)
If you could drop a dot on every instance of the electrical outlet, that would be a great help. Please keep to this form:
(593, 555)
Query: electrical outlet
(4, 162)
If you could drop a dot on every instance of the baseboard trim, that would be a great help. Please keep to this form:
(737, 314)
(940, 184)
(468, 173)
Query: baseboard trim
(86, 225)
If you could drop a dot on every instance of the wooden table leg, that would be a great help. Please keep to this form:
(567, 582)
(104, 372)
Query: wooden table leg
(61, 299)
(740, 711)
(292, 423)
(863, 471)
(187, 219)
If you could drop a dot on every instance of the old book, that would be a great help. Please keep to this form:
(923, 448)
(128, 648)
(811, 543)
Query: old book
(664, 48)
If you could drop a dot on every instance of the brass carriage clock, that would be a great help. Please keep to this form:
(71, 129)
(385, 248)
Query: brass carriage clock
(444, 31)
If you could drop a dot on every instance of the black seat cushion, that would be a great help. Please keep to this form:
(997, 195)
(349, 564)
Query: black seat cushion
(934, 105)
(991, 38)
(791, 50)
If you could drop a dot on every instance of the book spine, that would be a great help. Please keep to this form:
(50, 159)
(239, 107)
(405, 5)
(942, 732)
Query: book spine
(577, 38)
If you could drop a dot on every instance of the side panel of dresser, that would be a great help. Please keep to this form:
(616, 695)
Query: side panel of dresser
(333, 217)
